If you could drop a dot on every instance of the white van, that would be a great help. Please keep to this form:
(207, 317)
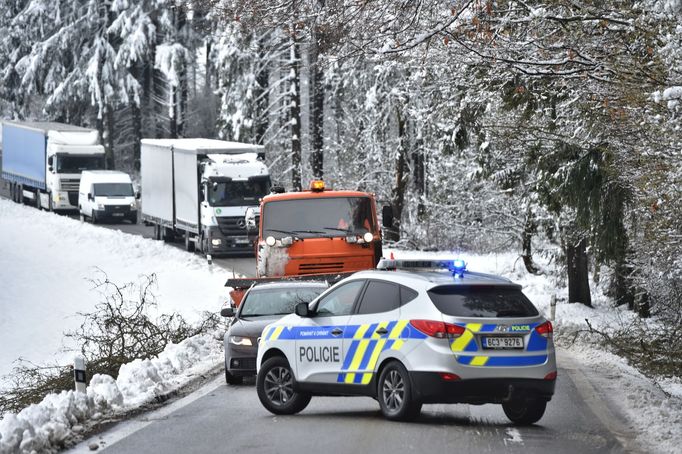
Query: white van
(107, 194)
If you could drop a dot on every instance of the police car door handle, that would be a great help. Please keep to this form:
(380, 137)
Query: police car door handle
(381, 331)
(337, 332)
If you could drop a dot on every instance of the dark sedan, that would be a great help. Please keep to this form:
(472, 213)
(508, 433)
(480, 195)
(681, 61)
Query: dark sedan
(261, 305)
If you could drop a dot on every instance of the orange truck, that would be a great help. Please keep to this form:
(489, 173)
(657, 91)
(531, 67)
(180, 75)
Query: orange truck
(318, 234)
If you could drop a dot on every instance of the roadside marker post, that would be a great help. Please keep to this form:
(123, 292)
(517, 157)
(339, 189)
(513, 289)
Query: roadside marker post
(79, 373)
(552, 307)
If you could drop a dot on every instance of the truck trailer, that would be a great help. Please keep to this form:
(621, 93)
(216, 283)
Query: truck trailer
(204, 191)
(43, 161)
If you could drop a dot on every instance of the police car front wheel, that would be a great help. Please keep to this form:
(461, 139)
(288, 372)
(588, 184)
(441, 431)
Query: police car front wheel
(524, 412)
(275, 386)
(395, 394)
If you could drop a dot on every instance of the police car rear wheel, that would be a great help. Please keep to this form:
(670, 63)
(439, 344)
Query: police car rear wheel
(524, 412)
(275, 386)
(395, 394)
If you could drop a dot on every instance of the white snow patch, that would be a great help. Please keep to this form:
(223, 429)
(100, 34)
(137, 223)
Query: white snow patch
(57, 420)
(45, 264)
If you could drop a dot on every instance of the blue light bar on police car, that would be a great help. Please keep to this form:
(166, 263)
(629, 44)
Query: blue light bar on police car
(457, 266)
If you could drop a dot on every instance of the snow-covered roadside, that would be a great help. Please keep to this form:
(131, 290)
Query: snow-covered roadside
(58, 420)
(46, 261)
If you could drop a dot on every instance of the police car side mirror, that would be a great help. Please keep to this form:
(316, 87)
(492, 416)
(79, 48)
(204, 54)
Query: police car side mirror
(227, 312)
(302, 310)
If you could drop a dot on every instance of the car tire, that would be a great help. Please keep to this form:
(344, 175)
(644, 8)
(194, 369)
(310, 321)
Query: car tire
(395, 395)
(524, 412)
(232, 379)
(275, 387)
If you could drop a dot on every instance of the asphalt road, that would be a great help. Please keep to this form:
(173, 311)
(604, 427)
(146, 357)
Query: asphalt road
(222, 418)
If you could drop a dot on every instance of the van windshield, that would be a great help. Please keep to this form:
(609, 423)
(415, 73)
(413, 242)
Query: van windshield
(310, 218)
(113, 190)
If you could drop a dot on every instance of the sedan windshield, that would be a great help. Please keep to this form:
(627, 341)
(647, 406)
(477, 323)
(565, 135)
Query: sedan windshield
(76, 164)
(309, 218)
(280, 301)
(113, 189)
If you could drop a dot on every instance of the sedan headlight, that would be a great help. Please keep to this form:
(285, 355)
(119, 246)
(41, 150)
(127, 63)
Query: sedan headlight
(244, 341)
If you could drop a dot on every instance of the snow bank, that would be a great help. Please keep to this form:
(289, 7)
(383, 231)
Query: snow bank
(655, 415)
(46, 261)
(59, 418)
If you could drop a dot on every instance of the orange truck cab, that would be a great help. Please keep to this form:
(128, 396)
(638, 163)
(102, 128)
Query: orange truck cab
(316, 234)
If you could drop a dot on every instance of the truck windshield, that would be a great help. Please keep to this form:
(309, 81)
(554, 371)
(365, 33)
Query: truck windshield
(280, 301)
(113, 189)
(319, 217)
(76, 164)
(237, 193)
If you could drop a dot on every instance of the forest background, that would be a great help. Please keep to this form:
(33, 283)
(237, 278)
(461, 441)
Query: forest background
(552, 128)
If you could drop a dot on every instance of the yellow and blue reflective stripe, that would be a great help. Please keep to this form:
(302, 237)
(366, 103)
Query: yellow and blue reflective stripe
(502, 361)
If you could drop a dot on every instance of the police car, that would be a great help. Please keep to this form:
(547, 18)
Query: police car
(412, 333)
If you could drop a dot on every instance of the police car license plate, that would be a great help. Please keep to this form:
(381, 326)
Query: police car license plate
(503, 342)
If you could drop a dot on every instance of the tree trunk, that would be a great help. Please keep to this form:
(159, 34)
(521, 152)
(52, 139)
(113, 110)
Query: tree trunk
(317, 108)
(263, 82)
(419, 175)
(529, 230)
(578, 275)
(400, 186)
(136, 117)
(295, 116)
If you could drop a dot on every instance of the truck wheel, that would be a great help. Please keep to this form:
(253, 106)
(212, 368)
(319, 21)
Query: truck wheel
(50, 202)
(524, 412)
(11, 192)
(395, 394)
(167, 235)
(275, 387)
(20, 194)
(189, 244)
(39, 204)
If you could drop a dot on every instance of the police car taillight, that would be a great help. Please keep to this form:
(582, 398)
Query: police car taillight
(437, 329)
(545, 330)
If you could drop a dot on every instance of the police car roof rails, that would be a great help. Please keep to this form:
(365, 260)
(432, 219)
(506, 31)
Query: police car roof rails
(457, 266)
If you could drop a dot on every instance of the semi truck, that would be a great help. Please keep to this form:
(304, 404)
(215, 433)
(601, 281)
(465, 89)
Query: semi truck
(318, 234)
(43, 161)
(204, 191)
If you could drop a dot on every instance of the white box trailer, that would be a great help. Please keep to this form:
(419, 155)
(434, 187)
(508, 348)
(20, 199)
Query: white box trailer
(182, 180)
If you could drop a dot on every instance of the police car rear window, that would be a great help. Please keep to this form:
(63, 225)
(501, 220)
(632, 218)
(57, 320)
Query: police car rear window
(482, 301)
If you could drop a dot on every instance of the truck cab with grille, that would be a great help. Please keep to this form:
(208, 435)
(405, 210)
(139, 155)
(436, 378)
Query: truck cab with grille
(318, 231)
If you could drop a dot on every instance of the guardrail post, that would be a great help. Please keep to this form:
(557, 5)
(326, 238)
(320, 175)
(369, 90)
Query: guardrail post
(552, 307)
(79, 373)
